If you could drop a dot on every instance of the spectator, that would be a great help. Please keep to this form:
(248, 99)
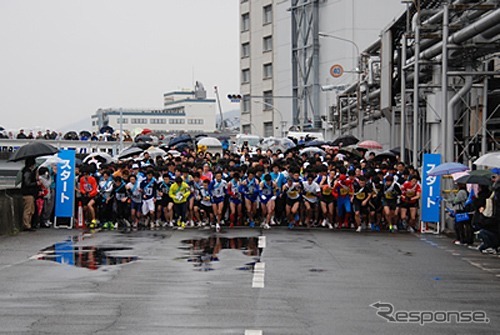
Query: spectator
(21, 135)
(29, 190)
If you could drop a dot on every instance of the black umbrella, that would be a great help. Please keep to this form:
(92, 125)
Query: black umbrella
(315, 143)
(143, 138)
(180, 139)
(141, 145)
(85, 133)
(408, 153)
(183, 146)
(353, 152)
(2, 128)
(106, 129)
(130, 152)
(345, 140)
(32, 150)
(386, 155)
(480, 177)
(71, 135)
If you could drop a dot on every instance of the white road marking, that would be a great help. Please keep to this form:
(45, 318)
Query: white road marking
(258, 275)
(262, 242)
(253, 332)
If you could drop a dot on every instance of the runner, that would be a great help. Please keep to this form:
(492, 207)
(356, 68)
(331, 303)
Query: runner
(217, 189)
(268, 191)
(410, 194)
(360, 202)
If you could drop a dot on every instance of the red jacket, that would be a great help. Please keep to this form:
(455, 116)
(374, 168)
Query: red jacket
(88, 186)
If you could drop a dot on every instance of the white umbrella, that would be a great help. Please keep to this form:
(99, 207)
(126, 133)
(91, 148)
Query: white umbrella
(491, 159)
(210, 142)
(174, 153)
(49, 160)
(154, 152)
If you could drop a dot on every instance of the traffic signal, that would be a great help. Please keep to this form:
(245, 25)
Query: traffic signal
(234, 97)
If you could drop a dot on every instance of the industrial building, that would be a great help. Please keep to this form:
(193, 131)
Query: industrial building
(183, 111)
(428, 83)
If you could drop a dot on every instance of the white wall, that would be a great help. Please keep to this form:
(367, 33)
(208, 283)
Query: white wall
(358, 20)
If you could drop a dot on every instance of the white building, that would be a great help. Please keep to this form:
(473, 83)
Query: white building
(274, 40)
(183, 111)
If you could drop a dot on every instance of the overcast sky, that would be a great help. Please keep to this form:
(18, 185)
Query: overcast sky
(61, 60)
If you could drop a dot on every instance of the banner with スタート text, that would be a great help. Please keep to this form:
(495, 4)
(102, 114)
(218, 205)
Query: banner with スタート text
(431, 189)
(65, 184)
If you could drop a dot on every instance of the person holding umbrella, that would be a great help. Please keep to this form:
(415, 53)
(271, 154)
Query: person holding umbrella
(29, 190)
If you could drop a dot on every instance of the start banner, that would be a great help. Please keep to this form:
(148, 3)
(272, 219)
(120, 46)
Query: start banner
(65, 184)
(431, 189)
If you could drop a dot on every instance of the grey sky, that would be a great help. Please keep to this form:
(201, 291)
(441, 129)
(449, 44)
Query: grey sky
(61, 60)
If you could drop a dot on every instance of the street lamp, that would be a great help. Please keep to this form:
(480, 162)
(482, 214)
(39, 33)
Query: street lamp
(282, 122)
(358, 86)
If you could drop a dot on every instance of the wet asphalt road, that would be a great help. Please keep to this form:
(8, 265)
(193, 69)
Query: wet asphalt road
(313, 282)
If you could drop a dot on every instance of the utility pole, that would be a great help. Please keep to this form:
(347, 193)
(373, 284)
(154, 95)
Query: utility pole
(222, 123)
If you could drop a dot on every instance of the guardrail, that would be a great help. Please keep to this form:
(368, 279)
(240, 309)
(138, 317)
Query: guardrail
(81, 147)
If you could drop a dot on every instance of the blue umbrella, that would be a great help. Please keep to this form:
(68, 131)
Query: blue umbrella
(447, 168)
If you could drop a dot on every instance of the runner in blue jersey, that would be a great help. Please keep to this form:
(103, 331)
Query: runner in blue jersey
(267, 197)
(250, 190)
(217, 189)
(235, 200)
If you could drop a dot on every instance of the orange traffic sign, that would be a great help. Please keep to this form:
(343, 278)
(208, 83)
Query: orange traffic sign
(336, 70)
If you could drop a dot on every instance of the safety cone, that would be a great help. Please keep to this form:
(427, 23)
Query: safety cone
(80, 221)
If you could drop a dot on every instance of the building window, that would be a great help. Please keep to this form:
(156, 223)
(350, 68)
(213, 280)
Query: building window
(245, 22)
(267, 43)
(176, 121)
(245, 76)
(138, 121)
(245, 104)
(268, 100)
(123, 120)
(267, 14)
(268, 129)
(196, 121)
(245, 129)
(245, 50)
(268, 71)
(157, 121)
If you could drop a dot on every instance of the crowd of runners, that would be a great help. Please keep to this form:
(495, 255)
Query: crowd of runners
(260, 190)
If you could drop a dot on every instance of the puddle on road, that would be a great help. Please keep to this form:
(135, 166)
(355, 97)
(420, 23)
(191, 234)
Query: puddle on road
(202, 252)
(90, 257)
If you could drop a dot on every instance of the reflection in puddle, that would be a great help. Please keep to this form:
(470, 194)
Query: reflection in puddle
(89, 257)
(202, 252)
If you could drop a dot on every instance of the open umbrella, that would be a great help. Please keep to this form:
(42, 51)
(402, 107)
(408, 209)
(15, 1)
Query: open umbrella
(185, 138)
(130, 152)
(146, 131)
(33, 150)
(311, 151)
(106, 129)
(71, 135)
(174, 153)
(210, 142)
(315, 143)
(370, 144)
(408, 153)
(480, 177)
(491, 159)
(143, 138)
(447, 169)
(345, 140)
(48, 160)
(155, 152)
(386, 155)
(85, 133)
(349, 150)
(98, 158)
